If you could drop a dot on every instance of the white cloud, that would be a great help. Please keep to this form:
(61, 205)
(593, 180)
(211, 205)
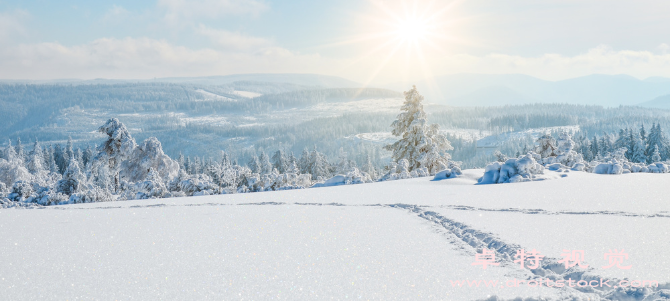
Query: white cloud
(148, 58)
(12, 24)
(145, 58)
(115, 14)
(177, 10)
(232, 40)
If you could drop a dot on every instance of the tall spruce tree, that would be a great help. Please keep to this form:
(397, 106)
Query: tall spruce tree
(420, 144)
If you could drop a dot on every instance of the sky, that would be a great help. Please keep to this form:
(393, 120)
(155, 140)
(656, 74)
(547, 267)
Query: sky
(369, 41)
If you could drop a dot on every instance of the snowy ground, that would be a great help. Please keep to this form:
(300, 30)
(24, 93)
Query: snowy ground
(396, 240)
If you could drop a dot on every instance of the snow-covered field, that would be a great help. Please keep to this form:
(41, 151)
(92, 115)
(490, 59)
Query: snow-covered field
(406, 239)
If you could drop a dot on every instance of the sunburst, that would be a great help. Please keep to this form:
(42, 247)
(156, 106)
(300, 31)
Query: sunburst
(401, 33)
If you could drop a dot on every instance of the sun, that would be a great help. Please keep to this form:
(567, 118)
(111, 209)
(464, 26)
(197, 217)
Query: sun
(402, 36)
(412, 30)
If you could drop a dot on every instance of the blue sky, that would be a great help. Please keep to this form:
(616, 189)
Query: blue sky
(366, 41)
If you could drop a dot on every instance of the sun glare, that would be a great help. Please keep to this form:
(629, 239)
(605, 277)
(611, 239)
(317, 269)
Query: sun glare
(412, 30)
(403, 35)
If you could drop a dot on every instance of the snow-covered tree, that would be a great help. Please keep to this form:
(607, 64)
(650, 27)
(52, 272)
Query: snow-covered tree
(638, 155)
(369, 168)
(117, 148)
(265, 165)
(73, 179)
(564, 150)
(36, 159)
(149, 155)
(546, 146)
(656, 155)
(420, 144)
(254, 164)
(280, 161)
(20, 152)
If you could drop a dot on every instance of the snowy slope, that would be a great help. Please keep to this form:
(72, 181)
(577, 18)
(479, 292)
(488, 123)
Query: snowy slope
(400, 240)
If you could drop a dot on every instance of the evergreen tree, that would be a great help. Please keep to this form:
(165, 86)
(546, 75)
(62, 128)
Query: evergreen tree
(20, 152)
(181, 161)
(36, 159)
(421, 145)
(638, 155)
(254, 164)
(280, 162)
(655, 156)
(88, 155)
(264, 160)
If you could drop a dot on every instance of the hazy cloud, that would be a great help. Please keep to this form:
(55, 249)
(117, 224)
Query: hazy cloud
(12, 24)
(232, 40)
(145, 58)
(178, 10)
(115, 14)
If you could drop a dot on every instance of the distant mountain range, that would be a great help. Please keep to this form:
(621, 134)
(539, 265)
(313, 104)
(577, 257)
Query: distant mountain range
(510, 89)
(304, 80)
(464, 89)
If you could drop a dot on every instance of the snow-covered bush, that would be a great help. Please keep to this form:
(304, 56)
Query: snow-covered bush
(354, 176)
(452, 170)
(152, 187)
(92, 195)
(397, 171)
(522, 169)
(13, 171)
(196, 185)
(564, 151)
(658, 168)
(21, 191)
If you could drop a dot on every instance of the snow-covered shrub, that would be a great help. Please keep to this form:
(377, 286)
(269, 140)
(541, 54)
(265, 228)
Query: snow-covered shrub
(199, 184)
(564, 151)
(658, 168)
(524, 168)
(151, 188)
(397, 171)
(12, 171)
(92, 195)
(145, 157)
(609, 168)
(354, 176)
(450, 171)
(21, 191)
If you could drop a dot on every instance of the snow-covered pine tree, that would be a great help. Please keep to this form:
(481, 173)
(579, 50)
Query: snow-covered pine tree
(181, 161)
(11, 156)
(655, 156)
(318, 165)
(643, 133)
(20, 152)
(254, 164)
(117, 148)
(36, 159)
(303, 163)
(69, 150)
(369, 168)
(421, 145)
(88, 155)
(265, 165)
(280, 162)
(73, 179)
(638, 155)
